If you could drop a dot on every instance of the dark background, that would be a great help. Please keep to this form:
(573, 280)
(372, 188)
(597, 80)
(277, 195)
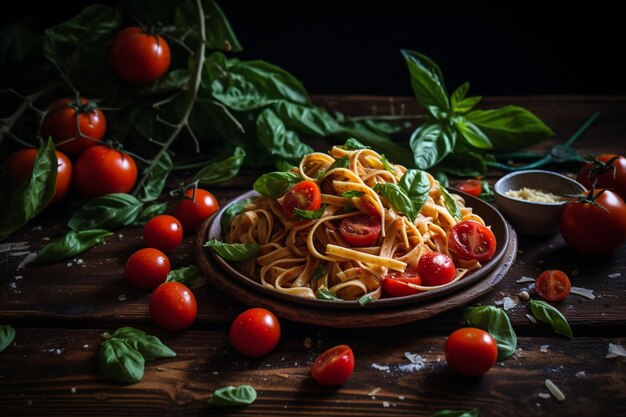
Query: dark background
(502, 48)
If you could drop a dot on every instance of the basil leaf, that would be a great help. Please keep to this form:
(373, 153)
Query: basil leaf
(231, 211)
(450, 203)
(459, 94)
(510, 127)
(548, 314)
(109, 211)
(282, 144)
(325, 294)
(123, 332)
(7, 335)
(148, 212)
(222, 170)
(319, 272)
(352, 194)
(121, 362)
(398, 199)
(152, 188)
(353, 145)
(386, 165)
(472, 133)
(188, 275)
(486, 193)
(32, 196)
(417, 187)
(343, 162)
(235, 252)
(300, 214)
(456, 413)
(150, 347)
(71, 244)
(233, 396)
(496, 322)
(427, 82)
(366, 299)
(467, 104)
(431, 142)
(275, 184)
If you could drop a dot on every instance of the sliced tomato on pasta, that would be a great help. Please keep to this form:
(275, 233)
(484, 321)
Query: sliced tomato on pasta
(471, 240)
(360, 230)
(400, 284)
(305, 195)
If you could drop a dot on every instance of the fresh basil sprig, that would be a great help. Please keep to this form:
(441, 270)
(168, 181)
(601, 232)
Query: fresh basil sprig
(235, 252)
(495, 322)
(546, 313)
(275, 184)
(233, 396)
(71, 244)
(222, 169)
(109, 211)
(453, 125)
(123, 354)
(409, 195)
(7, 334)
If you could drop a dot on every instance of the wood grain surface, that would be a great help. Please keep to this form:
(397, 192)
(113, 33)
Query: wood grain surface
(60, 310)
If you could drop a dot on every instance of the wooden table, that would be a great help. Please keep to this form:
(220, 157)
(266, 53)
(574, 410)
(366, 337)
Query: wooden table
(60, 311)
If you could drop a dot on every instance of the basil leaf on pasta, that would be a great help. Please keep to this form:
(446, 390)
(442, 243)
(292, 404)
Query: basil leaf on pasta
(353, 194)
(326, 294)
(342, 162)
(398, 199)
(309, 214)
(353, 145)
(450, 203)
(319, 272)
(275, 184)
(417, 186)
(235, 252)
(387, 165)
(231, 211)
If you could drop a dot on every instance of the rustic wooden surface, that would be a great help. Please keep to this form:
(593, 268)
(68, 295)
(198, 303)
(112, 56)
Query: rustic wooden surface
(60, 310)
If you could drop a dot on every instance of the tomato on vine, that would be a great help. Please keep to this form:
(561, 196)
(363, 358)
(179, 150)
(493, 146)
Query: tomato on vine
(173, 306)
(195, 208)
(74, 126)
(103, 170)
(609, 170)
(139, 57)
(19, 166)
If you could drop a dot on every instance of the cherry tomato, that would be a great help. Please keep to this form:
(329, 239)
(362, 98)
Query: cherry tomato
(102, 170)
(193, 210)
(63, 120)
(305, 195)
(255, 332)
(553, 285)
(138, 57)
(333, 367)
(147, 268)
(471, 240)
(470, 351)
(360, 230)
(398, 284)
(163, 232)
(436, 269)
(20, 164)
(472, 187)
(593, 230)
(173, 306)
(610, 172)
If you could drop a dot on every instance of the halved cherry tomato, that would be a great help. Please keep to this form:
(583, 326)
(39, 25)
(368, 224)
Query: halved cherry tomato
(471, 240)
(195, 208)
(396, 284)
(553, 285)
(472, 187)
(305, 195)
(360, 230)
(255, 332)
(334, 366)
(173, 306)
(74, 126)
(163, 232)
(20, 165)
(436, 269)
(103, 170)
(470, 351)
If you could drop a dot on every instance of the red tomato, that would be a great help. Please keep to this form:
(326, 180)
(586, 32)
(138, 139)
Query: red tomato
(593, 230)
(193, 210)
(610, 172)
(396, 284)
(305, 195)
(471, 240)
(173, 306)
(163, 232)
(334, 366)
(472, 187)
(360, 230)
(63, 120)
(470, 351)
(436, 269)
(147, 268)
(138, 57)
(20, 165)
(255, 332)
(553, 285)
(103, 170)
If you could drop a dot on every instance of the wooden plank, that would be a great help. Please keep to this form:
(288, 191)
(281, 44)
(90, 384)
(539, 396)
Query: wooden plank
(54, 372)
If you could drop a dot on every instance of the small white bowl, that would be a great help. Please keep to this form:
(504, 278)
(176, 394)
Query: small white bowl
(528, 217)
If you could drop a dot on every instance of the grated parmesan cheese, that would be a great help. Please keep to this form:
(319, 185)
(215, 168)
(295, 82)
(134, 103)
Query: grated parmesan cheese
(534, 196)
(615, 350)
(525, 279)
(583, 292)
(543, 348)
(580, 374)
(554, 390)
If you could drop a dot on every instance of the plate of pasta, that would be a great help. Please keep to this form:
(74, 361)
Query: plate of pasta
(349, 230)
